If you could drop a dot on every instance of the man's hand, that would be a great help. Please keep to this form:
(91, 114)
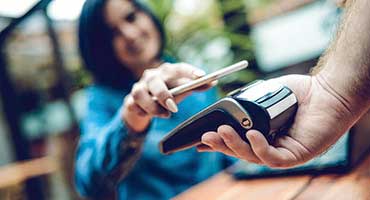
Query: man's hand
(321, 119)
(329, 102)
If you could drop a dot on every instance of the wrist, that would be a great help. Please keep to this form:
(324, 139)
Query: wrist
(347, 77)
(338, 92)
(135, 123)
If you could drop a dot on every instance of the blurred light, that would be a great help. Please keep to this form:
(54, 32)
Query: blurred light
(57, 9)
(15, 8)
(217, 48)
(65, 9)
(191, 7)
(186, 11)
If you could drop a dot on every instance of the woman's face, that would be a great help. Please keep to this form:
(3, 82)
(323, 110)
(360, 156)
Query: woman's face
(136, 39)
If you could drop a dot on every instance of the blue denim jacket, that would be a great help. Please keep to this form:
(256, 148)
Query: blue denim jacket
(109, 159)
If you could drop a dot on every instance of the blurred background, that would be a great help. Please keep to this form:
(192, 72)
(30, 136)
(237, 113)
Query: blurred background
(42, 77)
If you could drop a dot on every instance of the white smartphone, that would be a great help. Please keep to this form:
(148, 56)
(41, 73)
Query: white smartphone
(209, 78)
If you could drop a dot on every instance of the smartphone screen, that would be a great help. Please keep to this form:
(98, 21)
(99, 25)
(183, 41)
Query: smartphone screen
(209, 78)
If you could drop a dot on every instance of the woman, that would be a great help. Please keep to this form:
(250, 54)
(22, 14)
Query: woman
(121, 43)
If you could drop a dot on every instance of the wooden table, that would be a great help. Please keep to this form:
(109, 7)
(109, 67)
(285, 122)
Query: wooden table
(354, 185)
(17, 173)
(14, 175)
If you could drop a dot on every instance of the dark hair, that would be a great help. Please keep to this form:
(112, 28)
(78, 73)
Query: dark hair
(96, 47)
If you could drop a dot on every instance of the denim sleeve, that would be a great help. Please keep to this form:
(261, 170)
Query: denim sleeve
(106, 150)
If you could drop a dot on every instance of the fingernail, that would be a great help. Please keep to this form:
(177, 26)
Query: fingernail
(199, 73)
(171, 105)
(247, 135)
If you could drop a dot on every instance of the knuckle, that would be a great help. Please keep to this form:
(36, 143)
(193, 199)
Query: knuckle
(187, 67)
(163, 95)
(128, 101)
(148, 73)
(165, 67)
(181, 70)
(136, 86)
(136, 94)
(170, 72)
(208, 139)
(184, 65)
(137, 91)
(205, 139)
(150, 78)
(221, 129)
(225, 132)
(145, 73)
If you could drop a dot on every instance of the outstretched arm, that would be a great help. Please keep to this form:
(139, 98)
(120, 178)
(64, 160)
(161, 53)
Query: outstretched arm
(107, 150)
(330, 101)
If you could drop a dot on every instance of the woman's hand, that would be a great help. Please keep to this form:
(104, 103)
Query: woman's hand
(322, 117)
(150, 96)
